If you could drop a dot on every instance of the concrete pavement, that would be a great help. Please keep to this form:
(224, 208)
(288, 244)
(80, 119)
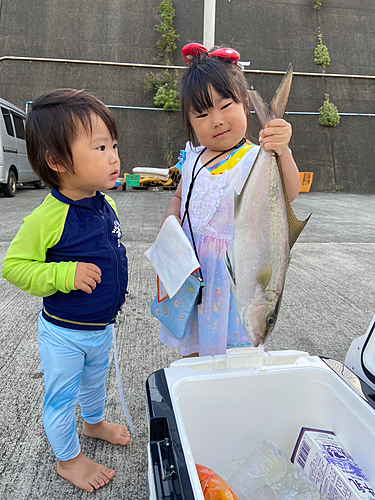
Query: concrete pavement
(328, 301)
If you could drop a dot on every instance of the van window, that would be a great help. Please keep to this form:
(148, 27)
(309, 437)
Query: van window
(8, 121)
(19, 126)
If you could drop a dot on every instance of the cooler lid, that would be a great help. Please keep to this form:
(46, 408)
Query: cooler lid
(361, 356)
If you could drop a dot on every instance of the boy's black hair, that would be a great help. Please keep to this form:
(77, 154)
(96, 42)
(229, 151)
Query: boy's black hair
(211, 72)
(52, 127)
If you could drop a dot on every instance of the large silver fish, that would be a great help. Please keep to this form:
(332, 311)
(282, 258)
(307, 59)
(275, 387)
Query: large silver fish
(265, 229)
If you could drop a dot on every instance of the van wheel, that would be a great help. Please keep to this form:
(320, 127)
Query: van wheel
(9, 189)
(39, 185)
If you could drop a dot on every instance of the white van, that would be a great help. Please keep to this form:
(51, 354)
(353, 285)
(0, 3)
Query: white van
(14, 166)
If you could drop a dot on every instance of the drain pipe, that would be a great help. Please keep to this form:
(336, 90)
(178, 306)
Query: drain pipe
(83, 61)
(303, 113)
(209, 14)
(144, 108)
(161, 66)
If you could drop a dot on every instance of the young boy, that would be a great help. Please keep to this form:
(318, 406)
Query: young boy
(69, 252)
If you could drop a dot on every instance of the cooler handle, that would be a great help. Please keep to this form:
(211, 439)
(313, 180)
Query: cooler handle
(164, 474)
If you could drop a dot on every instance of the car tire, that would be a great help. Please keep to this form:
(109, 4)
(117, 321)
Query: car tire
(9, 189)
(39, 185)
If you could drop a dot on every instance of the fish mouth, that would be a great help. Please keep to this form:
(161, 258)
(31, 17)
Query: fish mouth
(254, 316)
(257, 339)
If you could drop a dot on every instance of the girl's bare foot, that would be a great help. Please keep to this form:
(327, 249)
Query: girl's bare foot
(113, 433)
(85, 473)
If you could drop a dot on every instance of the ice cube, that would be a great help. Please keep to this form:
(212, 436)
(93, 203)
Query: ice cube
(264, 493)
(266, 465)
(268, 474)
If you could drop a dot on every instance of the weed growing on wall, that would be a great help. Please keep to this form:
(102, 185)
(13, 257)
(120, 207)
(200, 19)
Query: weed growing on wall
(165, 84)
(318, 3)
(329, 116)
(321, 54)
(168, 36)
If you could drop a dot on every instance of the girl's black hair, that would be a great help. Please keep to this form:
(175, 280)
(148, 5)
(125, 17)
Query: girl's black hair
(211, 72)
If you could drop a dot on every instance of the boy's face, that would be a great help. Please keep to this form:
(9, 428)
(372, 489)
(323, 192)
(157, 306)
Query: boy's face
(95, 161)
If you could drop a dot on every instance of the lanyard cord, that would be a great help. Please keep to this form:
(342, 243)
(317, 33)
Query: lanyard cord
(193, 178)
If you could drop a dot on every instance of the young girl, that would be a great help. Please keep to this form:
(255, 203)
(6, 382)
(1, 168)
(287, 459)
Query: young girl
(216, 114)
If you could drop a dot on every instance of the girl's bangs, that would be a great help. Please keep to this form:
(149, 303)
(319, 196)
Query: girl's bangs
(199, 99)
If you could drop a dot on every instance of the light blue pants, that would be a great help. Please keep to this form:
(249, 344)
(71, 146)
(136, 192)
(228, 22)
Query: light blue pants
(75, 367)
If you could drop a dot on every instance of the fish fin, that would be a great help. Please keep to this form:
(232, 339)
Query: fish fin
(237, 202)
(280, 99)
(295, 226)
(231, 275)
(263, 277)
(276, 109)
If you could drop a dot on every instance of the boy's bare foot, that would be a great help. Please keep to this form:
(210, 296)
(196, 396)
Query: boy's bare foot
(113, 433)
(85, 473)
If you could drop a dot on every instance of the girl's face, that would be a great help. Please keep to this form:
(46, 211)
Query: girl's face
(221, 127)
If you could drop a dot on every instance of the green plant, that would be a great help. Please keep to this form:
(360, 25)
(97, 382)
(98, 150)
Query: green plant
(166, 86)
(166, 98)
(321, 54)
(329, 116)
(318, 3)
(168, 156)
(168, 36)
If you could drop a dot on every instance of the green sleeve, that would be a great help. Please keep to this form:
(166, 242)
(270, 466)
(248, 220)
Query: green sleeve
(24, 263)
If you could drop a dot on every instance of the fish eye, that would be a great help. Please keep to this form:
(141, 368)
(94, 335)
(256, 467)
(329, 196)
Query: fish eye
(270, 320)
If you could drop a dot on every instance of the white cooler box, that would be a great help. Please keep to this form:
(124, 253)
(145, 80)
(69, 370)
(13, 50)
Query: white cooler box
(213, 410)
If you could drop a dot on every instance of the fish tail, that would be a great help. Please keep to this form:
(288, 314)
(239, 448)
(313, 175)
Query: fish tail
(261, 108)
(280, 99)
(276, 109)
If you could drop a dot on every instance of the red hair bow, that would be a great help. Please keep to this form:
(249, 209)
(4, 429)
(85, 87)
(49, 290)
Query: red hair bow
(193, 50)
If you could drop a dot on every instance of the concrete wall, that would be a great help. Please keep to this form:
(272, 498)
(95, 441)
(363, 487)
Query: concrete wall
(270, 33)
